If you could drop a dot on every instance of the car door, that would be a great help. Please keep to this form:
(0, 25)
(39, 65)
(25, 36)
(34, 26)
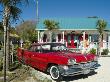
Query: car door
(26, 57)
(43, 56)
(36, 50)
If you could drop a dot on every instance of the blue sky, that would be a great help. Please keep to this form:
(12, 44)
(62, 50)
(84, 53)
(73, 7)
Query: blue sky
(67, 8)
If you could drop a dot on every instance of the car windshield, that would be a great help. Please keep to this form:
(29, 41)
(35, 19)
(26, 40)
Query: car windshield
(59, 47)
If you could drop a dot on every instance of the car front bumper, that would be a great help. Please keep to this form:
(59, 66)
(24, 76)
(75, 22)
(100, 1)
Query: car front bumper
(77, 69)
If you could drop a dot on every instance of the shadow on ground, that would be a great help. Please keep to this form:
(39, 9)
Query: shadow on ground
(72, 78)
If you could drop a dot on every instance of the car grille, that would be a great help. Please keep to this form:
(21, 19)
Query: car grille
(83, 65)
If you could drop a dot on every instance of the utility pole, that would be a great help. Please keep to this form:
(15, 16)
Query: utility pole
(37, 11)
(38, 38)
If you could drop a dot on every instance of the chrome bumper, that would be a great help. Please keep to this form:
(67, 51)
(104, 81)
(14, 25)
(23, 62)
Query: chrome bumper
(77, 69)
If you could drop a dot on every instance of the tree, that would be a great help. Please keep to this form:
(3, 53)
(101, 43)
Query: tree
(101, 25)
(1, 34)
(27, 31)
(51, 25)
(1, 28)
(12, 30)
(11, 12)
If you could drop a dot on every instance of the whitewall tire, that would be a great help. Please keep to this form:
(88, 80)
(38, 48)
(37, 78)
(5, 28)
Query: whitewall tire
(55, 73)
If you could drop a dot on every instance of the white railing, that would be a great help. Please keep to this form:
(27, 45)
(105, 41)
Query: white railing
(105, 45)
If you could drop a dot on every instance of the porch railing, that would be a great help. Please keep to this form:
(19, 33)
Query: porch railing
(106, 45)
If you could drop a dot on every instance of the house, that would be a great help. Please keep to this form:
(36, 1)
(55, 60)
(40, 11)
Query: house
(74, 32)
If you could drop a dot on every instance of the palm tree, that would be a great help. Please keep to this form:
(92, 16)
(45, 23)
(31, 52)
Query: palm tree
(101, 25)
(1, 34)
(1, 27)
(51, 25)
(11, 13)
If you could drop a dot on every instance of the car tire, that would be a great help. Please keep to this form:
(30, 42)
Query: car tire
(55, 73)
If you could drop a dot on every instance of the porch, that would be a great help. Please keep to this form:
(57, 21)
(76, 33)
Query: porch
(75, 39)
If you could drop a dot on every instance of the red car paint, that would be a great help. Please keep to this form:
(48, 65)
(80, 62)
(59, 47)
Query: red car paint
(41, 60)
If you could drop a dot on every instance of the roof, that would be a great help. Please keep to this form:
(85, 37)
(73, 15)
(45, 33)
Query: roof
(72, 23)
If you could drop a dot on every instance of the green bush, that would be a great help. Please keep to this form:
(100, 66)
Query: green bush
(16, 46)
(26, 45)
(93, 51)
(105, 52)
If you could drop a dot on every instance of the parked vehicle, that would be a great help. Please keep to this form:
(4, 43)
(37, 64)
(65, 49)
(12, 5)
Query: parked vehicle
(56, 59)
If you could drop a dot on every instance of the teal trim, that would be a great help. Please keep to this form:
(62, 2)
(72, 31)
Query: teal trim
(72, 23)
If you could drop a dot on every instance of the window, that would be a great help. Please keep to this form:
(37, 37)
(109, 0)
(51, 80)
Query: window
(38, 49)
(35, 48)
(32, 48)
(95, 38)
(46, 48)
(59, 47)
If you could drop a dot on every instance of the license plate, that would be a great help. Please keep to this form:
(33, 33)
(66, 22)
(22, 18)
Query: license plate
(86, 71)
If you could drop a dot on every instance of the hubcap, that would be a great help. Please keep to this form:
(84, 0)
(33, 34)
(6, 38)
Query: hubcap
(54, 72)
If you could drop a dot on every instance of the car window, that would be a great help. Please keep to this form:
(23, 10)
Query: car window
(60, 47)
(32, 48)
(46, 48)
(38, 49)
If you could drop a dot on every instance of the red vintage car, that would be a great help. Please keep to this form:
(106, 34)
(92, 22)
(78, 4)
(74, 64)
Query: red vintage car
(56, 59)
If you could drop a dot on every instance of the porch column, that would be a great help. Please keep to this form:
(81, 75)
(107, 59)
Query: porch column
(90, 38)
(109, 41)
(41, 36)
(50, 33)
(63, 37)
(104, 45)
(84, 39)
(38, 36)
(56, 37)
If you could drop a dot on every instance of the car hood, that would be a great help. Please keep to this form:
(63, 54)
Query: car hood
(77, 56)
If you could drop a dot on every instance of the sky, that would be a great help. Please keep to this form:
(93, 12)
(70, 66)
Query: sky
(67, 9)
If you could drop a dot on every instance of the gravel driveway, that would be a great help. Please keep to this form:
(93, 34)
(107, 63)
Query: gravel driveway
(102, 74)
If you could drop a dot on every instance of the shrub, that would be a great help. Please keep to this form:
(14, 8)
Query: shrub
(26, 45)
(105, 52)
(93, 51)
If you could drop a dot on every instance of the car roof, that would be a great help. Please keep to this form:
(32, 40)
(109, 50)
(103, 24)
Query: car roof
(49, 43)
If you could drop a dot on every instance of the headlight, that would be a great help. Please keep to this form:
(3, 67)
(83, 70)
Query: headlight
(71, 61)
(65, 67)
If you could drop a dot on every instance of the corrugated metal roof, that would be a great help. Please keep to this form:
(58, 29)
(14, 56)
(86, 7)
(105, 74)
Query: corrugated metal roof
(72, 23)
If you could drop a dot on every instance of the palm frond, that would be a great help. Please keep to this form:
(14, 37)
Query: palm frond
(51, 24)
(15, 12)
(20, 2)
(13, 2)
(4, 2)
(101, 25)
